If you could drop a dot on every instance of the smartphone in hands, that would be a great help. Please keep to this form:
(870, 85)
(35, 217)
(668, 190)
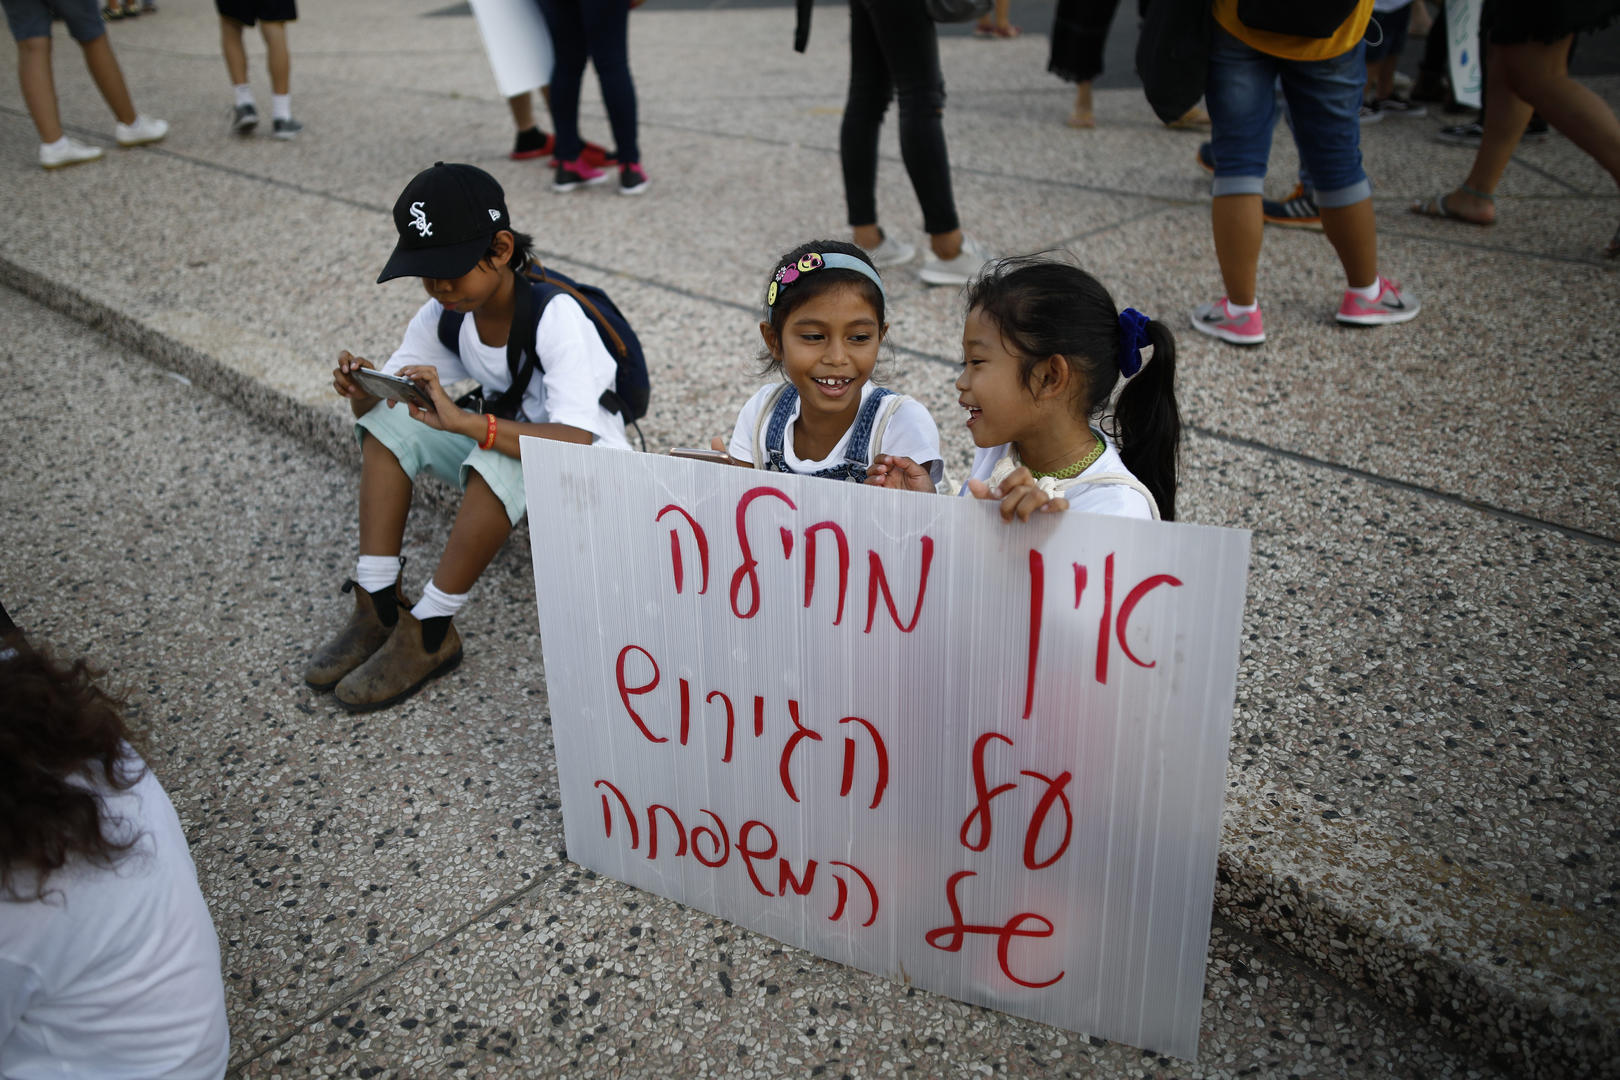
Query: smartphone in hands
(393, 387)
(716, 456)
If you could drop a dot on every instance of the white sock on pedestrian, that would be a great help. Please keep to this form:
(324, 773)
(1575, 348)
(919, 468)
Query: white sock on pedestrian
(244, 94)
(1367, 292)
(435, 602)
(374, 573)
(1242, 309)
(281, 106)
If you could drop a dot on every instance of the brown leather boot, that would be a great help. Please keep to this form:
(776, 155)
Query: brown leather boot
(361, 636)
(400, 668)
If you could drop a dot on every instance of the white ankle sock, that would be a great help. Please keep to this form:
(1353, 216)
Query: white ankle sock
(244, 94)
(436, 602)
(1242, 309)
(1367, 292)
(281, 106)
(59, 144)
(374, 573)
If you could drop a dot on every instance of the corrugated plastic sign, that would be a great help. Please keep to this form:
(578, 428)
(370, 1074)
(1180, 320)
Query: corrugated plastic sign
(986, 759)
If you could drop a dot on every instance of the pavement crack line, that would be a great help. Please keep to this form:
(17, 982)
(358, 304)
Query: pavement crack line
(1502, 513)
(359, 990)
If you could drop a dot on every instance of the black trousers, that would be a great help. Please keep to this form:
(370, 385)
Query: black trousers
(894, 53)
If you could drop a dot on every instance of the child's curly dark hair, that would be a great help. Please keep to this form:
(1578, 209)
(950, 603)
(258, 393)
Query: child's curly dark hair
(56, 724)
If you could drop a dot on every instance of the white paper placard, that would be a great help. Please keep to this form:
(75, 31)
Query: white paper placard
(1462, 48)
(886, 727)
(518, 44)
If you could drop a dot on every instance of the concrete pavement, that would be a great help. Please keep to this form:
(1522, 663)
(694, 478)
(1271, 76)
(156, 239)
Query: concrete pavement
(1418, 872)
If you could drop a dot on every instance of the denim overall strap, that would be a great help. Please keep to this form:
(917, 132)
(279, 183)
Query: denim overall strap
(856, 455)
(776, 430)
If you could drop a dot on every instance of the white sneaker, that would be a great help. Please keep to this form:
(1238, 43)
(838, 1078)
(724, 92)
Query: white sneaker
(66, 151)
(891, 252)
(958, 271)
(143, 130)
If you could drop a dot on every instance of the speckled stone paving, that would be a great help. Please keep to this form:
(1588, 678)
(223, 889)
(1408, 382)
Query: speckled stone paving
(1419, 868)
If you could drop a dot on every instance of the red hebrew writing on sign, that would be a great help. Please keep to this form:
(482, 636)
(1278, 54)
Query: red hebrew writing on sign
(633, 661)
(950, 938)
(756, 844)
(1110, 627)
(744, 594)
(977, 827)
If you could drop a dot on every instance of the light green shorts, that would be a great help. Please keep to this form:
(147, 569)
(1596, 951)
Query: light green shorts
(449, 457)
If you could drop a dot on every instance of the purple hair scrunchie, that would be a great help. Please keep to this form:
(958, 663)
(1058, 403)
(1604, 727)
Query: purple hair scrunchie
(1133, 339)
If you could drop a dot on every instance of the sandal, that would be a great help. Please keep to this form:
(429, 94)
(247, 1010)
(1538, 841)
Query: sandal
(1008, 31)
(1436, 207)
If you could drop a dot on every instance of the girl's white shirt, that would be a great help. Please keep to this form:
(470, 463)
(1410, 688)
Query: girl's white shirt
(1088, 491)
(115, 974)
(578, 367)
(911, 433)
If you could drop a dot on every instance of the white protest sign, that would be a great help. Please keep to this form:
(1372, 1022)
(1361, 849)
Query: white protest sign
(886, 727)
(518, 44)
(1462, 46)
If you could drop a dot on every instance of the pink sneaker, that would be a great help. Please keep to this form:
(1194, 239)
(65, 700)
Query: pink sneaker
(1217, 320)
(1392, 306)
(573, 174)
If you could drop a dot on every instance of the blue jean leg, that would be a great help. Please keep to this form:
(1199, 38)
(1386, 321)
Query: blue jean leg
(1324, 105)
(1242, 111)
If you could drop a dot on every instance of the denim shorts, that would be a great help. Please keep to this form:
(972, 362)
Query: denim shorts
(32, 18)
(450, 457)
(1324, 103)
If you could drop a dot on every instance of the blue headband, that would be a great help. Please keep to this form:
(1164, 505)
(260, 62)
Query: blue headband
(1134, 348)
(788, 273)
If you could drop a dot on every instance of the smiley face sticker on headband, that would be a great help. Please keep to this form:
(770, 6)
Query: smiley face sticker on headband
(810, 262)
(770, 297)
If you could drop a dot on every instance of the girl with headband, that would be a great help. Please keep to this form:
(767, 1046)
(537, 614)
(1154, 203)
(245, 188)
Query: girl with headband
(823, 322)
(1042, 352)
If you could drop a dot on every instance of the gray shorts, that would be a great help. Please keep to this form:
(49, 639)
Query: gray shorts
(32, 18)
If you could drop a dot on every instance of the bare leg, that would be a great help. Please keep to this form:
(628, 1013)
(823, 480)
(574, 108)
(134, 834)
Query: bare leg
(1353, 232)
(522, 106)
(230, 43)
(277, 58)
(39, 87)
(946, 245)
(385, 499)
(868, 236)
(1238, 226)
(1539, 74)
(1082, 116)
(103, 65)
(481, 528)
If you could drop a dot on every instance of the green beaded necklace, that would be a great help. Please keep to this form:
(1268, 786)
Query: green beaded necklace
(1070, 471)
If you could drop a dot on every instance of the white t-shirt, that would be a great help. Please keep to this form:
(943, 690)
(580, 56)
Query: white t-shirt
(1120, 500)
(115, 974)
(910, 433)
(578, 366)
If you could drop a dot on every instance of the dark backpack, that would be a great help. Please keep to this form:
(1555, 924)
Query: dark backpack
(1318, 19)
(631, 387)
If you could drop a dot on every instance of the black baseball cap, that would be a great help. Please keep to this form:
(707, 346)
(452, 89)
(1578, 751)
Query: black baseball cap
(445, 217)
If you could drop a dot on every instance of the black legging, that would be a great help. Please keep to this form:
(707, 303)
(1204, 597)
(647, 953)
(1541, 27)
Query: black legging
(893, 51)
(598, 31)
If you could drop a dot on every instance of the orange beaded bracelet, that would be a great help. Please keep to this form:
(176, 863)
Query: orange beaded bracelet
(489, 435)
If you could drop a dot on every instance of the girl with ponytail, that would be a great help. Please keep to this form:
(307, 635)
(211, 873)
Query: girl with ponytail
(1043, 351)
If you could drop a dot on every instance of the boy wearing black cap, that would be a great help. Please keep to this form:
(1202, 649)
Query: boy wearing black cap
(456, 236)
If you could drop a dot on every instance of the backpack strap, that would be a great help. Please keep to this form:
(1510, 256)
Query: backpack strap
(1121, 479)
(891, 405)
(770, 430)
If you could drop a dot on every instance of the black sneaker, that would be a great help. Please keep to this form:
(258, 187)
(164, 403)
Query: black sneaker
(244, 118)
(1206, 156)
(1461, 134)
(632, 179)
(286, 129)
(532, 143)
(1298, 211)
